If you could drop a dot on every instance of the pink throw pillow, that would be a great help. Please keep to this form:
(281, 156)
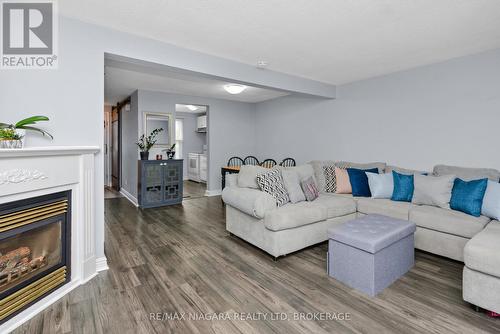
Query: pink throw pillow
(343, 183)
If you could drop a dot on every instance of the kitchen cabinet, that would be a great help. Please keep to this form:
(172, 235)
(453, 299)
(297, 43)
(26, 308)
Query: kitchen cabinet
(160, 182)
(201, 123)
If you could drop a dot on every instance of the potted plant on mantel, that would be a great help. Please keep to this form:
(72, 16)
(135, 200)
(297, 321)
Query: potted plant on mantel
(12, 135)
(145, 143)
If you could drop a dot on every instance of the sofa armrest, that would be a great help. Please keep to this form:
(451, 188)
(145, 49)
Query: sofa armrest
(482, 252)
(251, 201)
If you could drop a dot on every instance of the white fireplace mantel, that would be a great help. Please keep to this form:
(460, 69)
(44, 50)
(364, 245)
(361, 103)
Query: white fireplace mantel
(37, 171)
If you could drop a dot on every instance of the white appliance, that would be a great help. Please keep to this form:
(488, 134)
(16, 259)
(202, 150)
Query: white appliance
(197, 167)
(201, 123)
(203, 168)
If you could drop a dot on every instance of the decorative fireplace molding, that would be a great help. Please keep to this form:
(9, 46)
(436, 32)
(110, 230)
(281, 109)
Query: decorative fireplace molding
(30, 172)
(20, 175)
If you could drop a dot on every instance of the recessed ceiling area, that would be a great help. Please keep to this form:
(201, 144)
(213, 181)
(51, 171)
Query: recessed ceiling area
(121, 79)
(333, 41)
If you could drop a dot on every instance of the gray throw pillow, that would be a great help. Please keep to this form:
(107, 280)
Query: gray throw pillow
(292, 185)
(271, 182)
(309, 188)
(433, 190)
(247, 177)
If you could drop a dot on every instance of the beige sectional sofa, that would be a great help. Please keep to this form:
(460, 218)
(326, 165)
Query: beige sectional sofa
(253, 216)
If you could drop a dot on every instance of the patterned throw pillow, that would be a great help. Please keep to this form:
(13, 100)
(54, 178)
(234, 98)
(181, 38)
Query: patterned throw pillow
(330, 179)
(310, 190)
(272, 183)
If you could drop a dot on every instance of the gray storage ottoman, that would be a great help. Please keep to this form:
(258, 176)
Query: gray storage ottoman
(371, 252)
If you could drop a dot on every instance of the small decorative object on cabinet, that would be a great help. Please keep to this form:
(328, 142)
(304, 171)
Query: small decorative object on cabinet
(160, 182)
(146, 143)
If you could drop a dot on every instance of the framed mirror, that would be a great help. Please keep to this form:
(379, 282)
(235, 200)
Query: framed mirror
(159, 120)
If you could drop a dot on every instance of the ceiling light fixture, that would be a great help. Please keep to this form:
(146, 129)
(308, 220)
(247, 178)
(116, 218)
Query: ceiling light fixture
(191, 107)
(234, 88)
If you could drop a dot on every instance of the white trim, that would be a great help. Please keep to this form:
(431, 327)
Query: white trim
(48, 150)
(101, 264)
(216, 192)
(129, 196)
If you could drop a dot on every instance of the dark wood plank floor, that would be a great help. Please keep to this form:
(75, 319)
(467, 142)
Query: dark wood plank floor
(194, 189)
(181, 259)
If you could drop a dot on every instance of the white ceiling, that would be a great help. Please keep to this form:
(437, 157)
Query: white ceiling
(122, 79)
(334, 41)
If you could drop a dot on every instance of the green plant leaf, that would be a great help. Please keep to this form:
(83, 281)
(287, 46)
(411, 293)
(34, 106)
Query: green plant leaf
(5, 125)
(43, 132)
(30, 120)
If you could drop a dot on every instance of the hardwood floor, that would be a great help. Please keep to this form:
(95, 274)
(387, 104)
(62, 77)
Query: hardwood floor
(181, 259)
(194, 189)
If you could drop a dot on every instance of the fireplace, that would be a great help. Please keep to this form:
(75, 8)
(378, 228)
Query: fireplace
(35, 237)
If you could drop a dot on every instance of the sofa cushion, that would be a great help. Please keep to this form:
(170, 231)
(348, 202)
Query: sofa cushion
(247, 177)
(433, 190)
(385, 207)
(381, 185)
(294, 215)
(348, 164)
(407, 171)
(291, 181)
(271, 182)
(467, 174)
(447, 221)
(251, 201)
(481, 252)
(359, 181)
(467, 196)
(336, 206)
(403, 187)
(491, 201)
(303, 213)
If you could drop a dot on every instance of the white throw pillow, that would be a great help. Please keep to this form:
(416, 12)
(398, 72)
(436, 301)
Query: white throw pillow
(381, 185)
(491, 201)
(292, 185)
(247, 177)
(433, 190)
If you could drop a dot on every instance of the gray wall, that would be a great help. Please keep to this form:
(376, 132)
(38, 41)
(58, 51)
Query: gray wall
(442, 113)
(73, 95)
(231, 132)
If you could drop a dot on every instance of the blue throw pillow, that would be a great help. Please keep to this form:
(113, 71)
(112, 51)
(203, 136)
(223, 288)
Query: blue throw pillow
(403, 187)
(359, 181)
(467, 196)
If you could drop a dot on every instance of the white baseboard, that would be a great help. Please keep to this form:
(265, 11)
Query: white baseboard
(216, 192)
(129, 196)
(101, 264)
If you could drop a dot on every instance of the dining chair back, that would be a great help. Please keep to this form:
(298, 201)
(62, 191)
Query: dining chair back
(251, 160)
(268, 163)
(288, 162)
(235, 162)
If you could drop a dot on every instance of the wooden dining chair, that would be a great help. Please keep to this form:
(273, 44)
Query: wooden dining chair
(268, 163)
(251, 160)
(235, 162)
(288, 162)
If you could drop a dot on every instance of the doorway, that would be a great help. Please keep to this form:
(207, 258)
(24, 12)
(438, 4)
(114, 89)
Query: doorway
(115, 148)
(191, 131)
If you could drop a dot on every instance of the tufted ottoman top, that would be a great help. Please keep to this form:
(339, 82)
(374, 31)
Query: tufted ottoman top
(372, 233)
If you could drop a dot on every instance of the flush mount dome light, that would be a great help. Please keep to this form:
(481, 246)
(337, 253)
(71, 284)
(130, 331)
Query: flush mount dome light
(191, 107)
(234, 88)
